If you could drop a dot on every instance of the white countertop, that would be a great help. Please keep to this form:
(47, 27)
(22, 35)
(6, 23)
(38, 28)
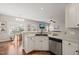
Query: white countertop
(58, 37)
(64, 38)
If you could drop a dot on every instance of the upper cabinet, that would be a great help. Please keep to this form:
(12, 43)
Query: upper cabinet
(72, 15)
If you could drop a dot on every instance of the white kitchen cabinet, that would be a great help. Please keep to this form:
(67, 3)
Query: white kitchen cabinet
(45, 44)
(35, 43)
(69, 48)
(41, 43)
(28, 44)
(72, 16)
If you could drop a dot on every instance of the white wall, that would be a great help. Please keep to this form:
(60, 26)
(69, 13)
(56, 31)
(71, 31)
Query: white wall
(12, 24)
(34, 12)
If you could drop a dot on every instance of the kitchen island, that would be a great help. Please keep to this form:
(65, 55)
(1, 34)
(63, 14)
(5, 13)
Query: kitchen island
(42, 43)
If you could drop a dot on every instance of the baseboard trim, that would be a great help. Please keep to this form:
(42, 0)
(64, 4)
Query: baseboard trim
(6, 41)
(34, 51)
(52, 53)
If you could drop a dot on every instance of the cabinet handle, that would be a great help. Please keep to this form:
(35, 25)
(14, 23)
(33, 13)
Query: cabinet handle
(76, 51)
(77, 24)
(69, 43)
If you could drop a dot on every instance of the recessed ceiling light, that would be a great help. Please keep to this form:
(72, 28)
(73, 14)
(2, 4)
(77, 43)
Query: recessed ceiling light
(42, 8)
(19, 19)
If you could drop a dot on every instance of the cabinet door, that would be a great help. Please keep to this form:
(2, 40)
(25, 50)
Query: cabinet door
(28, 44)
(45, 44)
(31, 43)
(70, 48)
(77, 12)
(71, 16)
(41, 43)
(37, 43)
(25, 45)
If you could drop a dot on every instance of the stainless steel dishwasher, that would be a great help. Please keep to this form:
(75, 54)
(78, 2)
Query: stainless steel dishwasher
(55, 46)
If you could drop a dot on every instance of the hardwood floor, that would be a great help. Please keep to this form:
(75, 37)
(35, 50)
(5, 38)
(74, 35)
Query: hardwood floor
(11, 47)
(39, 53)
(15, 48)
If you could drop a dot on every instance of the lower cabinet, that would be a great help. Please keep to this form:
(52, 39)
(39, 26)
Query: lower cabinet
(41, 43)
(28, 44)
(36, 43)
(70, 48)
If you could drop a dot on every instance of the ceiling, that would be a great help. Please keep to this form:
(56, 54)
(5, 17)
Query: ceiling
(34, 11)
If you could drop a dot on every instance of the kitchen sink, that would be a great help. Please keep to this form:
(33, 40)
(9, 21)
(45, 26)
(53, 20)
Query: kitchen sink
(41, 35)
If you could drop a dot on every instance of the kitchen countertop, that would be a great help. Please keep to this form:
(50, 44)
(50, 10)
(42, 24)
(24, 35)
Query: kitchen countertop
(58, 37)
(64, 38)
